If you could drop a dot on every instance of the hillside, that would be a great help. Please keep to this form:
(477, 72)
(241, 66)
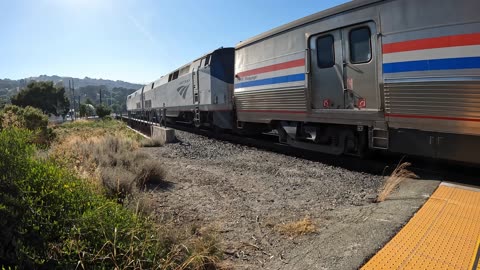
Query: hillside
(114, 93)
(10, 87)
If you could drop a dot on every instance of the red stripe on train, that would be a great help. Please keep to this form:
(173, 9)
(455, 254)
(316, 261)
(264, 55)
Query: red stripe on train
(432, 117)
(290, 64)
(433, 43)
(273, 111)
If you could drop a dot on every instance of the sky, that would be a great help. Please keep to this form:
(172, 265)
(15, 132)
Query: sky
(131, 40)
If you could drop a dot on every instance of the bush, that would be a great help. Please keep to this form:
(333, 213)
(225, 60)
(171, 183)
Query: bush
(118, 182)
(14, 151)
(150, 172)
(53, 220)
(30, 118)
(124, 171)
(103, 111)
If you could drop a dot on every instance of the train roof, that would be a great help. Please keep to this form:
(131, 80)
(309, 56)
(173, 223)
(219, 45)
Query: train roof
(134, 92)
(183, 66)
(311, 18)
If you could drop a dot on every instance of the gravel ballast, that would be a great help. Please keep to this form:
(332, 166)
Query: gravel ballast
(245, 193)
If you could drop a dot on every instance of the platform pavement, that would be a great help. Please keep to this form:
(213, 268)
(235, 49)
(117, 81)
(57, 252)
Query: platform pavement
(443, 234)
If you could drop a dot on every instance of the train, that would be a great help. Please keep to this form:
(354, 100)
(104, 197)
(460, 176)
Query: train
(398, 76)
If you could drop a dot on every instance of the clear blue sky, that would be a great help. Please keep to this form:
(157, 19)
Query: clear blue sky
(131, 40)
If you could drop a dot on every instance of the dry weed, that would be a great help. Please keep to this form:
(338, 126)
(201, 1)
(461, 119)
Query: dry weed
(143, 204)
(110, 161)
(154, 142)
(297, 228)
(193, 250)
(204, 253)
(398, 175)
(118, 182)
(150, 172)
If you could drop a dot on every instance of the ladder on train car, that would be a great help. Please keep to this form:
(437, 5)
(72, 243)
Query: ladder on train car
(379, 138)
(196, 117)
(196, 97)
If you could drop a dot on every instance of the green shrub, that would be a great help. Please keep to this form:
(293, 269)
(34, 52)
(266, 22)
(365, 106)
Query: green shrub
(103, 111)
(14, 151)
(52, 219)
(30, 118)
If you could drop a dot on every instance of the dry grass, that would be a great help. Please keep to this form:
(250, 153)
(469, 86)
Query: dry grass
(297, 228)
(143, 204)
(109, 160)
(398, 176)
(118, 182)
(150, 172)
(198, 249)
(96, 128)
(153, 142)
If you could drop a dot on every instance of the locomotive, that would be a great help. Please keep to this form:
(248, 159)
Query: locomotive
(369, 75)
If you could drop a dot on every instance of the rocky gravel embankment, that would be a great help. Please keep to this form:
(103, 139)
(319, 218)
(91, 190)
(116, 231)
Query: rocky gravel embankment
(244, 193)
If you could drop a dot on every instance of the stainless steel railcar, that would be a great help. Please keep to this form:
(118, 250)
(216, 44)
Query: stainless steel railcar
(199, 93)
(393, 75)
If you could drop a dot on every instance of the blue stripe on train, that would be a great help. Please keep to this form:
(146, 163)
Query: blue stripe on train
(436, 64)
(275, 80)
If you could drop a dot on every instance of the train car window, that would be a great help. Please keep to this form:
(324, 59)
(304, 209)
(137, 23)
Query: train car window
(153, 84)
(148, 104)
(170, 77)
(207, 60)
(360, 45)
(175, 75)
(325, 52)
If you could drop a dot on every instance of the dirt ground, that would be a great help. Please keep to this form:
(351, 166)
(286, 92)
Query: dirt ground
(245, 194)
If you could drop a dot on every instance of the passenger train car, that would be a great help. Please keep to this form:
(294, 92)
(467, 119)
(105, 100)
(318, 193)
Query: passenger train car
(388, 75)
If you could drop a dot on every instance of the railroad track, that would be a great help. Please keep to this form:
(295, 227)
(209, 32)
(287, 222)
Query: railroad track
(377, 163)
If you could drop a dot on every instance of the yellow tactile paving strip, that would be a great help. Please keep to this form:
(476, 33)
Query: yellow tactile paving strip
(444, 234)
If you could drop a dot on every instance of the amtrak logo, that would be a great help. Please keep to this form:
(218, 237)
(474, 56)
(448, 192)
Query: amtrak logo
(182, 90)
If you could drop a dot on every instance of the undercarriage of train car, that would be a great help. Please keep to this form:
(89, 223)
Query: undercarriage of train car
(327, 138)
(333, 139)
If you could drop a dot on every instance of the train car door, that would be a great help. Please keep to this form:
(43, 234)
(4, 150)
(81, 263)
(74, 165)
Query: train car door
(326, 56)
(343, 70)
(360, 67)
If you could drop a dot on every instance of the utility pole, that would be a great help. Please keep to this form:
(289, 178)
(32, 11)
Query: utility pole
(74, 109)
(79, 105)
(100, 96)
(73, 97)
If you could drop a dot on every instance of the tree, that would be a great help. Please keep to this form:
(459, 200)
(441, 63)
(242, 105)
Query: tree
(44, 96)
(103, 111)
(3, 102)
(116, 108)
(83, 110)
(87, 109)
